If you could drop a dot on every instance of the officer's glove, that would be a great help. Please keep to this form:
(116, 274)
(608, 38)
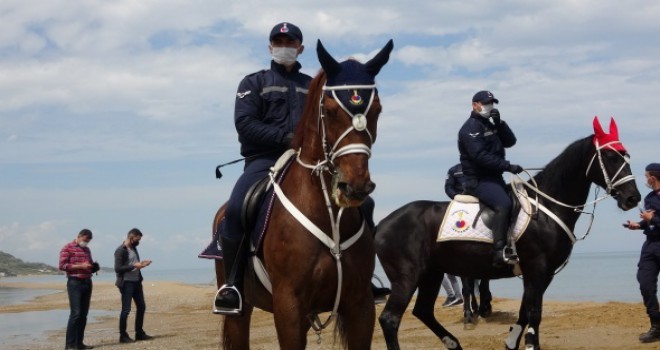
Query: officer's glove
(515, 168)
(495, 115)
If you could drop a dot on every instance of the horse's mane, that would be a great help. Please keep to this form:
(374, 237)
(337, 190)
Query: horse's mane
(311, 108)
(564, 164)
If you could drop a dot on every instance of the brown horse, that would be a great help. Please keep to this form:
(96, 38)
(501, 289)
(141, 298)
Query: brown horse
(317, 250)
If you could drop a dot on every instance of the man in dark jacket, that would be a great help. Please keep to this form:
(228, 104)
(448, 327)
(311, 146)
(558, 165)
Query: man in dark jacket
(454, 181)
(648, 267)
(481, 143)
(129, 281)
(268, 106)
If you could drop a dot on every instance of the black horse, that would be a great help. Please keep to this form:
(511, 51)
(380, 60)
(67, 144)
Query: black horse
(413, 260)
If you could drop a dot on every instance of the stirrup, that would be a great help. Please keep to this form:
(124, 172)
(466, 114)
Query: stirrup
(509, 256)
(218, 310)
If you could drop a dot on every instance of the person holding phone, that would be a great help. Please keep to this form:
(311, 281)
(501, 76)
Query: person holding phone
(128, 267)
(648, 267)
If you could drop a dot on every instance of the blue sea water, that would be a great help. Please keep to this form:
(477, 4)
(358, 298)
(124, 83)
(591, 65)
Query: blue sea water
(599, 277)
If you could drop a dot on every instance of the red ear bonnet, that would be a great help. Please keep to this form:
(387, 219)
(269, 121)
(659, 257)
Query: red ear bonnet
(611, 140)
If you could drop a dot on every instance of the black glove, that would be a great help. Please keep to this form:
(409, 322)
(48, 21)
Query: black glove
(515, 168)
(95, 267)
(495, 115)
(286, 141)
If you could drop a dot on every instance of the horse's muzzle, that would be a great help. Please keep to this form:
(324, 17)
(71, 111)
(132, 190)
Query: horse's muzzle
(355, 194)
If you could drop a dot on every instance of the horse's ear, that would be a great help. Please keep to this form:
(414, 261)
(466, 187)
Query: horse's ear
(375, 64)
(598, 130)
(329, 64)
(614, 130)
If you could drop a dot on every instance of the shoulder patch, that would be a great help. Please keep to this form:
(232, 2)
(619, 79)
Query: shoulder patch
(243, 94)
(474, 134)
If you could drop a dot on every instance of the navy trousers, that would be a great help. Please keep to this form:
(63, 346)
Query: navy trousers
(489, 191)
(254, 171)
(80, 295)
(647, 276)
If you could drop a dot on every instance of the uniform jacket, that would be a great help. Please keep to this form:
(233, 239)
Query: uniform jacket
(269, 104)
(454, 181)
(652, 202)
(481, 145)
(121, 264)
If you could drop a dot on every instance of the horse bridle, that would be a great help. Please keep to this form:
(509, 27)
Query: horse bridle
(611, 185)
(358, 124)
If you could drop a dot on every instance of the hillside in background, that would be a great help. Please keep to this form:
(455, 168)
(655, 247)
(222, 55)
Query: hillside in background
(12, 266)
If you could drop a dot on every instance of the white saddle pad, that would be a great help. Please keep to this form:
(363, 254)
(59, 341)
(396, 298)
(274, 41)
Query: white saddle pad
(459, 221)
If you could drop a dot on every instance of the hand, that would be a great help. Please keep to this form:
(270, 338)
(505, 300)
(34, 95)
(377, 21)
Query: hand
(631, 225)
(647, 215)
(85, 265)
(146, 263)
(495, 115)
(515, 168)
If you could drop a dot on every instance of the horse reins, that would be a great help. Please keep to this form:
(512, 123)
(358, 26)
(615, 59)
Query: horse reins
(358, 124)
(609, 182)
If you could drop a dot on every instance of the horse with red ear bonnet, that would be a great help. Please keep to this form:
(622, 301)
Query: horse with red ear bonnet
(316, 251)
(413, 258)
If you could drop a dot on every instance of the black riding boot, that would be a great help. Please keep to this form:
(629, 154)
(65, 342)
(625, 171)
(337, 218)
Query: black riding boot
(502, 254)
(228, 299)
(652, 335)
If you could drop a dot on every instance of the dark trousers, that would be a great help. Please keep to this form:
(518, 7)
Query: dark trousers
(256, 170)
(132, 291)
(80, 295)
(491, 192)
(647, 276)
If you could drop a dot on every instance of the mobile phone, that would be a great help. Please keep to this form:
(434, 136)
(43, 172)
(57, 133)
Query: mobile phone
(625, 224)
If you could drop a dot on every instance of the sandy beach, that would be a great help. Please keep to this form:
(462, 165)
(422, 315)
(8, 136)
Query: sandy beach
(179, 317)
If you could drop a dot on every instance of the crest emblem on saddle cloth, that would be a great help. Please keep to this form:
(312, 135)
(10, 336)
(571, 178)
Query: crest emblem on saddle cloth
(459, 221)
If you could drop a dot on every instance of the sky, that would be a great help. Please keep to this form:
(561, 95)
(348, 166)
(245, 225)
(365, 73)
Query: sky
(114, 114)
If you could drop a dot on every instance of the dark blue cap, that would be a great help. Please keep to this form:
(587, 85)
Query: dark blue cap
(288, 29)
(653, 167)
(484, 97)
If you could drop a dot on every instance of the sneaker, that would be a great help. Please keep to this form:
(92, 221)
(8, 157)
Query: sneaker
(448, 301)
(457, 301)
(228, 301)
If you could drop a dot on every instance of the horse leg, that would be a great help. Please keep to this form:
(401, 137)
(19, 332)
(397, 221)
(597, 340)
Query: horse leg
(512, 341)
(469, 319)
(427, 294)
(356, 322)
(402, 292)
(485, 298)
(535, 286)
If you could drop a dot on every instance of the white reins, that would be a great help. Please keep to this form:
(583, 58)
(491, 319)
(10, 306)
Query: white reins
(359, 124)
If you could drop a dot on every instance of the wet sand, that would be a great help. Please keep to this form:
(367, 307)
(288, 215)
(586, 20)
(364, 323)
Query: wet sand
(179, 317)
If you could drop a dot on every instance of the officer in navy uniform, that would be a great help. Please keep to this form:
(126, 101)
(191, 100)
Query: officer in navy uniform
(268, 106)
(649, 259)
(454, 181)
(481, 143)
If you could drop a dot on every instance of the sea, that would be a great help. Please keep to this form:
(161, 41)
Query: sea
(598, 277)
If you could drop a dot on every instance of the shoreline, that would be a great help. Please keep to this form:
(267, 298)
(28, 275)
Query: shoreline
(179, 317)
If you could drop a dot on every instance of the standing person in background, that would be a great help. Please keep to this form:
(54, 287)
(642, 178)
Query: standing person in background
(76, 261)
(453, 288)
(648, 267)
(129, 281)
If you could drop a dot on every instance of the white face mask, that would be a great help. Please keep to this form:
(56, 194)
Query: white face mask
(485, 110)
(285, 55)
(83, 244)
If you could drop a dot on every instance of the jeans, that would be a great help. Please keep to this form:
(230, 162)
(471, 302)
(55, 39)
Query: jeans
(131, 290)
(80, 295)
(451, 286)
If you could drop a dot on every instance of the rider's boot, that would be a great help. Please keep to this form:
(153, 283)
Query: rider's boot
(652, 335)
(502, 254)
(228, 299)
